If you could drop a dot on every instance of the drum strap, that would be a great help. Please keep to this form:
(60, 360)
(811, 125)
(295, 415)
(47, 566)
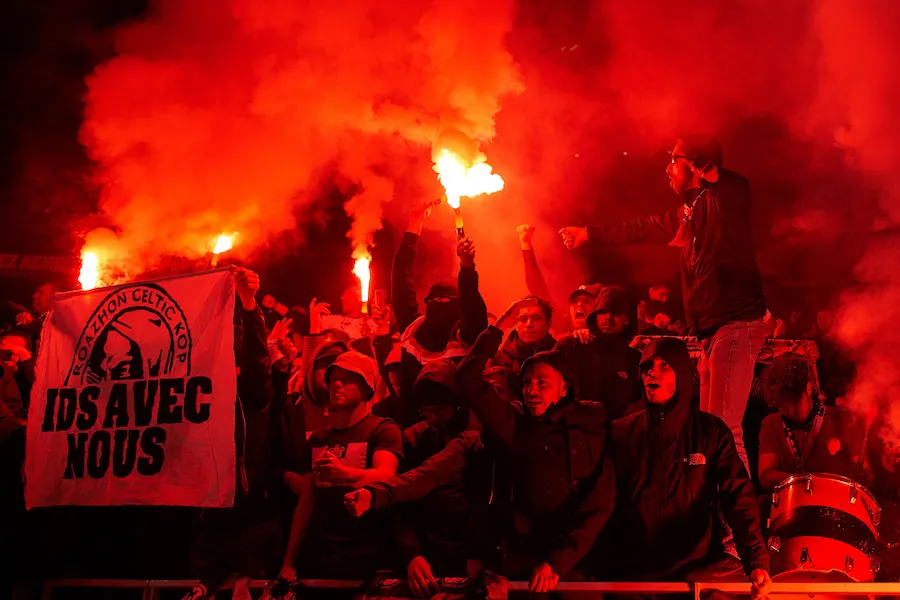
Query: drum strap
(802, 455)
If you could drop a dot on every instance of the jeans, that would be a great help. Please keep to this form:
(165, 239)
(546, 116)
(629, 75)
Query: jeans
(726, 374)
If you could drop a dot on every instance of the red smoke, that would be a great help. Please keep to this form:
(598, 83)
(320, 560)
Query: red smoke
(224, 116)
(860, 92)
(217, 115)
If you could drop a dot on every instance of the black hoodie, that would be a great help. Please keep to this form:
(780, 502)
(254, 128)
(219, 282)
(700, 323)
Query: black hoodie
(607, 370)
(441, 525)
(674, 464)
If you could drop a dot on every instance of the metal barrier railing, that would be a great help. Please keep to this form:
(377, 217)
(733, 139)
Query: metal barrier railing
(151, 587)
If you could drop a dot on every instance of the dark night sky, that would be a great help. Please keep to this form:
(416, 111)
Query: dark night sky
(48, 49)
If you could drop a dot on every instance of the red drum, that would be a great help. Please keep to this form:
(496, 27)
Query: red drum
(823, 528)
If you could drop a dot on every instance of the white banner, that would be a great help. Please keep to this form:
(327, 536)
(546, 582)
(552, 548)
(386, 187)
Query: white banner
(134, 401)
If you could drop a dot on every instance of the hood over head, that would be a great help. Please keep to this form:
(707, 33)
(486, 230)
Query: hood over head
(616, 300)
(678, 409)
(441, 318)
(327, 353)
(436, 384)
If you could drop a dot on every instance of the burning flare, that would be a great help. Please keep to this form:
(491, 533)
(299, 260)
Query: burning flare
(361, 270)
(459, 180)
(223, 244)
(89, 277)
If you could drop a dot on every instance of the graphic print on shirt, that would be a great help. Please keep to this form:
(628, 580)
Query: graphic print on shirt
(351, 455)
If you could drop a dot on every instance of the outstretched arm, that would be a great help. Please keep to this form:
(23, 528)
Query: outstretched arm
(438, 470)
(659, 228)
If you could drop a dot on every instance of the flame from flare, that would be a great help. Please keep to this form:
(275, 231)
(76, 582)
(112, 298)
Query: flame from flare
(89, 277)
(223, 244)
(459, 180)
(361, 270)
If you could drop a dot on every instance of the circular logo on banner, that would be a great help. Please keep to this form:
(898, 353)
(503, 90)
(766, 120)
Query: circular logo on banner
(136, 332)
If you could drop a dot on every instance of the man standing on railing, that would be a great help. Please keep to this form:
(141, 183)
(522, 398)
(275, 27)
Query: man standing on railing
(723, 297)
(674, 466)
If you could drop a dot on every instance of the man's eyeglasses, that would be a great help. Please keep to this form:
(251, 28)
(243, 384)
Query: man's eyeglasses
(676, 157)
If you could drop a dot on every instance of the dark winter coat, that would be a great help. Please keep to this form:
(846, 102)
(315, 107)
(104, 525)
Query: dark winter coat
(674, 466)
(563, 483)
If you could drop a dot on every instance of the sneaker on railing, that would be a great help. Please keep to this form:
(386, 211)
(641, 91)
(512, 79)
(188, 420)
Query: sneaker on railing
(197, 593)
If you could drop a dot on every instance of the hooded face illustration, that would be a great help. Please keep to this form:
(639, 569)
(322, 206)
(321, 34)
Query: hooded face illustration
(134, 345)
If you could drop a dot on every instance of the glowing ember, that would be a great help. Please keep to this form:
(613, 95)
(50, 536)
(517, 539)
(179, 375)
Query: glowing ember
(459, 181)
(89, 277)
(223, 244)
(361, 270)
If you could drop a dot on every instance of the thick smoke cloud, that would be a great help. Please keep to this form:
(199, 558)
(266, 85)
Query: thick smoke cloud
(861, 89)
(228, 116)
(221, 116)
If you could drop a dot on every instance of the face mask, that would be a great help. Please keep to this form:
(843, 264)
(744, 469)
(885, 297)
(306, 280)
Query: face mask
(442, 314)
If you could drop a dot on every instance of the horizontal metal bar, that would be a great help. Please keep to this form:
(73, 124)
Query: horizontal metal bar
(849, 588)
(832, 587)
(664, 587)
(106, 583)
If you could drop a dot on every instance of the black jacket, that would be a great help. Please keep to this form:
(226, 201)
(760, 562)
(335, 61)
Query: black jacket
(674, 466)
(605, 370)
(719, 275)
(563, 482)
(439, 526)
(254, 387)
(473, 315)
(446, 496)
